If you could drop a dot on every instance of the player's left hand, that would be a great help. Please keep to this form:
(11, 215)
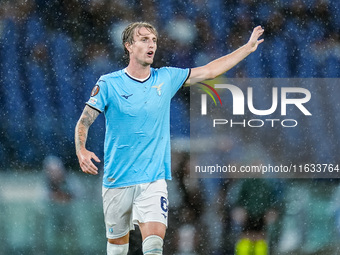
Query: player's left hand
(254, 38)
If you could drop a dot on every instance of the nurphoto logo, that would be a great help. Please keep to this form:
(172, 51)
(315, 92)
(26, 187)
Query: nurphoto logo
(281, 98)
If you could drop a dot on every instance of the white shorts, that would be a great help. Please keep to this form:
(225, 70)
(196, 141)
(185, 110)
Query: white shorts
(124, 207)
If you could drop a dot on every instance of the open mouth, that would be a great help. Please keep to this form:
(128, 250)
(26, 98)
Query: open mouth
(150, 53)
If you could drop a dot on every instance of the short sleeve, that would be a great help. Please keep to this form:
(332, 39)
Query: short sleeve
(98, 99)
(178, 77)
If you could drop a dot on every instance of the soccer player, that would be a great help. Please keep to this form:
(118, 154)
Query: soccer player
(136, 104)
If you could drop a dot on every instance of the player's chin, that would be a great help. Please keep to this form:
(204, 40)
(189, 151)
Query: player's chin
(149, 62)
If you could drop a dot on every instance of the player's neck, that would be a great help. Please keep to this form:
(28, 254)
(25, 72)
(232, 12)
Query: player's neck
(138, 71)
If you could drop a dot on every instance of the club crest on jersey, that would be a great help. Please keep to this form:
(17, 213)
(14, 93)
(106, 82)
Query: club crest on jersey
(159, 88)
(95, 90)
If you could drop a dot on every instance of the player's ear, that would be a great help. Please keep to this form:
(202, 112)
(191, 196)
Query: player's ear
(128, 47)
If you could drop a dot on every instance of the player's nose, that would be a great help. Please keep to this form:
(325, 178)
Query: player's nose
(152, 44)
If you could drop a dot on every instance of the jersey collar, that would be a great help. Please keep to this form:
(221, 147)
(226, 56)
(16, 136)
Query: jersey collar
(137, 79)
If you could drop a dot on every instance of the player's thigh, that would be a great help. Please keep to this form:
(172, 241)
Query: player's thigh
(117, 206)
(152, 228)
(150, 209)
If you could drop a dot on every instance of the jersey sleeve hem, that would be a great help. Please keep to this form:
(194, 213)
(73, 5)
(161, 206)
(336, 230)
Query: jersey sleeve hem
(189, 72)
(94, 108)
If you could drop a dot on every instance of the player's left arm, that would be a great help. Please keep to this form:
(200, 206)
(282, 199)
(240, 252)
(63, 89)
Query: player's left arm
(225, 63)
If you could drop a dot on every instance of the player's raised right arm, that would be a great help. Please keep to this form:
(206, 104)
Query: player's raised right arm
(225, 63)
(84, 156)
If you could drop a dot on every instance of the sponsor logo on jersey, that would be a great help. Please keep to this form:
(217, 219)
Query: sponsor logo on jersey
(93, 101)
(126, 96)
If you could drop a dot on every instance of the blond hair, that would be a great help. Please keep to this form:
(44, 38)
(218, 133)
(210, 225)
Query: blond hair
(129, 31)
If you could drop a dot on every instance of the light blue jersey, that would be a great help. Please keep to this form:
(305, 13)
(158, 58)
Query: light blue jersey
(137, 139)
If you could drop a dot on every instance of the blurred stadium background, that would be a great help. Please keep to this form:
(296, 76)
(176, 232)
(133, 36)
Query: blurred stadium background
(52, 53)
